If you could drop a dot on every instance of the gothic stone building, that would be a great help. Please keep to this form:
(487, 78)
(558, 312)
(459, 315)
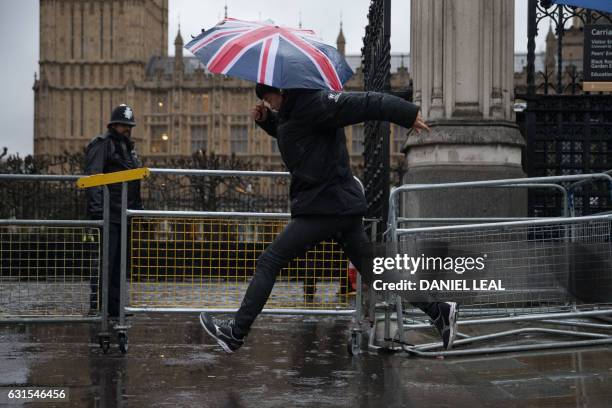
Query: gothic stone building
(105, 53)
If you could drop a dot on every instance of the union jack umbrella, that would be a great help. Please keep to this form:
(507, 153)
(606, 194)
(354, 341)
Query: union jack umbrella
(265, 53)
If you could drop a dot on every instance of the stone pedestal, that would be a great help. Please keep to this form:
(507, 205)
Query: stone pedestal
(462, 65)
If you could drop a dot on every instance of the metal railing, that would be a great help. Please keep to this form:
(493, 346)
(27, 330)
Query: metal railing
(533, 182)
(54, 270)
(188, 261)
(178, 261)
(550, 264)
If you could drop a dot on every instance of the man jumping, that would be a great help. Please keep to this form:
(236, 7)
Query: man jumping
(326, 201)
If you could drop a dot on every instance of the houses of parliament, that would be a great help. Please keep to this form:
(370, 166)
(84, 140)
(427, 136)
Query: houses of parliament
(95, 55)
(105, 53)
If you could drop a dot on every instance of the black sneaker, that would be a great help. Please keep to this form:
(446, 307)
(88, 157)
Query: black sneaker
(222, 331)
(446, 323)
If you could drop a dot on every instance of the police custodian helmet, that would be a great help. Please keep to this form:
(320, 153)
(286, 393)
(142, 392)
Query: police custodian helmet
(123, 114)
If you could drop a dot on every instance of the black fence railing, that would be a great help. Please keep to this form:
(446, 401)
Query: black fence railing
(62, 200)
(376, 54)
(566, 129)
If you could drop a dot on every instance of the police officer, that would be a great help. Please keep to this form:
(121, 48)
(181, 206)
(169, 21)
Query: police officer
(109, 152)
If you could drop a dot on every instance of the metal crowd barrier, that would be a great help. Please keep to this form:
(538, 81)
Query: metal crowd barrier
(192, 261)
(556, 269)
(53, 270)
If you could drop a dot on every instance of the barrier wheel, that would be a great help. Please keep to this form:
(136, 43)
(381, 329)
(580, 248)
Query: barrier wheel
(122, 339)
(353, 345)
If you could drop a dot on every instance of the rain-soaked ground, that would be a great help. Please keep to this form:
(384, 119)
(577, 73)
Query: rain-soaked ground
(288, 361)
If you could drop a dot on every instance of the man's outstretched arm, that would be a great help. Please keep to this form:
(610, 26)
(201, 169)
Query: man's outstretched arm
(349, 108)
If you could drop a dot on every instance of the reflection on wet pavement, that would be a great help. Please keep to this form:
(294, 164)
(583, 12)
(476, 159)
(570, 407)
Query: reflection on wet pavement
(286, 361)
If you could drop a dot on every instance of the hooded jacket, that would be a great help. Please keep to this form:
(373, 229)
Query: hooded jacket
(310, 135)
(108, 153)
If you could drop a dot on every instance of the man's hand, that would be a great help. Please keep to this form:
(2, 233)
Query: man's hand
(259, 112)
(419, 125)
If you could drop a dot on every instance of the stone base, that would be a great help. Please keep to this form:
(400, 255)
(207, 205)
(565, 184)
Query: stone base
(462, 150)
(481, 202)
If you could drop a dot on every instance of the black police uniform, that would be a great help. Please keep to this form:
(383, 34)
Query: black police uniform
(108, 153)
(326, 201)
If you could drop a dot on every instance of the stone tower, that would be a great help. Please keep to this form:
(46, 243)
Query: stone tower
(91, 54)
(341, 42)
(551, 50)
(179, 66)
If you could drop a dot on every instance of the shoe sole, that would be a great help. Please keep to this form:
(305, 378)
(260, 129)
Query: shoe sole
(220, 342)
(452, 320)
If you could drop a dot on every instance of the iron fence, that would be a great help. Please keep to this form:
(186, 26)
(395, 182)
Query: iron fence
(376, 54)
(59, 198)
(566, 129)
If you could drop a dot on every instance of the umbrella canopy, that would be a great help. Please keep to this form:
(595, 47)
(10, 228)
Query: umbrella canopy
(277, 56)
(600, 5)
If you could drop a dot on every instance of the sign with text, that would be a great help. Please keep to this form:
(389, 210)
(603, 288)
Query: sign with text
(598, 53)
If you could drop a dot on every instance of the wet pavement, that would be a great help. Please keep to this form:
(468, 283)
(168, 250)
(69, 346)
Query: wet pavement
(287, 361)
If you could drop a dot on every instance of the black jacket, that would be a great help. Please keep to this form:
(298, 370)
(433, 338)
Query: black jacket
(311, 140)
(108, 153)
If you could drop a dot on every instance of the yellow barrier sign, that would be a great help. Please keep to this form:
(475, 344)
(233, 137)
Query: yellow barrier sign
(111, 178)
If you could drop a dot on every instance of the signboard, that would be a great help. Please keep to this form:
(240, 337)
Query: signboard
(599, 5)
(597, 57)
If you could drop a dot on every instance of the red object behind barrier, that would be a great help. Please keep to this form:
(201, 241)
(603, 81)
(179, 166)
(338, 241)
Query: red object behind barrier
(352, 275)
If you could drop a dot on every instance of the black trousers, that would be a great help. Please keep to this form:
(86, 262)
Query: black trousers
(299, 236)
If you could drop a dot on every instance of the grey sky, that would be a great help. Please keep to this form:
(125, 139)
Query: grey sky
(19, 41)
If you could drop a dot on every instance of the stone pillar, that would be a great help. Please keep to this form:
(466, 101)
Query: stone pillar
(463, 69)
